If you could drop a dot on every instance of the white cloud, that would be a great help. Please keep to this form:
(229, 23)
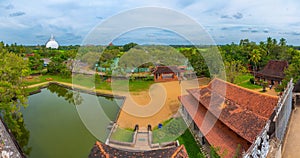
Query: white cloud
(77, 17)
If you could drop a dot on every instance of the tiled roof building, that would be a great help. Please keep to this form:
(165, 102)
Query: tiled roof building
(101, 150)
(273, 71)
(166, 73)
(226, 115)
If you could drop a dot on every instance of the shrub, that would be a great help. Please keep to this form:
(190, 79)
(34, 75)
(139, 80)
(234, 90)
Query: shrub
(148, 78)
(251, 80)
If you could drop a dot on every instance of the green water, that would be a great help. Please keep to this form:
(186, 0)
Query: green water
(56, 127)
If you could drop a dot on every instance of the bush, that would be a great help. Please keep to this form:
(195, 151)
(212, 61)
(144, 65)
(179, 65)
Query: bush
(148, 78)
(132, 78)
(252, 80)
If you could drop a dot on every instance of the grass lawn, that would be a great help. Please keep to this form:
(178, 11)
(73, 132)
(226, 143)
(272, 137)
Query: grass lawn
(190, 144)
(244, 81)
(166, 134)
(170, 130)
(90, 82)
(133, 86)
(42, 78)
(249, 85)
(123, 135)
(242, 78)
(28, 90)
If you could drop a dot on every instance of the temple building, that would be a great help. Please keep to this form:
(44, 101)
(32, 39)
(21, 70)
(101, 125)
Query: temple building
(52, 43)
(273, 72)
(232, 118)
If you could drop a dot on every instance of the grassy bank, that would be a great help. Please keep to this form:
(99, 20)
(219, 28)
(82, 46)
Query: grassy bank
(122, 135)
(89, 81)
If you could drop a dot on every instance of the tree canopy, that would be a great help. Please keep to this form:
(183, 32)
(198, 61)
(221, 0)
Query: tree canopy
(13, 68)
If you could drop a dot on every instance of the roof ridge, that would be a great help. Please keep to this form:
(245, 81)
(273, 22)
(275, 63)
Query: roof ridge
(177, 151)
(102, 150)
(213, 112)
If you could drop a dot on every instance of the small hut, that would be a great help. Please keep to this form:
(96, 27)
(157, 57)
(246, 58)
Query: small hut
(166, 73)
(273, 72)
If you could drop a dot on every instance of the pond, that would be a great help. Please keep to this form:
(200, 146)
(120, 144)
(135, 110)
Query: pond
(59, 124)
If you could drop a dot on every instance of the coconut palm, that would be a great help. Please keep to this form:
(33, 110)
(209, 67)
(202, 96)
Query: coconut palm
(255, 57)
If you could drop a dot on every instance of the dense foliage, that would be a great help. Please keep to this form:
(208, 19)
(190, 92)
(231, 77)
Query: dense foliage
(12, 93)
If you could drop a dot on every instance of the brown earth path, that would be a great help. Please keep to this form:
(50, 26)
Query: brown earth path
(156, 105)
(291, 146)
(71, 85)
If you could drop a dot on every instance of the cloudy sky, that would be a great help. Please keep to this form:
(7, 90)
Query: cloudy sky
(31, 22)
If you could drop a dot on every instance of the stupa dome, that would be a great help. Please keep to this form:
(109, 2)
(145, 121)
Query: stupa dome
(52, 43)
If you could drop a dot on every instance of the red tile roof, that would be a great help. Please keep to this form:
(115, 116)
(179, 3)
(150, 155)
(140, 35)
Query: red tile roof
(216, 133)
(273, 70)
(101, 150)
(242, 111)
(166, 69)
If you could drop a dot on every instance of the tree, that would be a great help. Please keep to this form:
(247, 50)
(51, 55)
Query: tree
(58, 66)
(255, 57)
(35, 62)
(234, 68)
(128, 46)
(196, 60)
(12, 93)
(293, 71)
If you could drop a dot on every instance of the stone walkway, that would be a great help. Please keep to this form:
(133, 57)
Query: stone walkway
(142, 140)
(7, 147)
(291, 147)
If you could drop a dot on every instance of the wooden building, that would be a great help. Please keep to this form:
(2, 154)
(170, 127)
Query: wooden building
(273, 72)
(229, 117)
(166, 73)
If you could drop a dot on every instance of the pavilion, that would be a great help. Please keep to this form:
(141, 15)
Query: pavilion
(166, 73)
(273, 72)
(232, 120)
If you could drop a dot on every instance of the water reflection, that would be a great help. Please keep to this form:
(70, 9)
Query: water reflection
(56, 128)
(23, 138)
(73, 97)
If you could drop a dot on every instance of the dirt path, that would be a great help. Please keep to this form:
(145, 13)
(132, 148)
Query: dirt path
(156, 105)
(38, 84)
(291, 147)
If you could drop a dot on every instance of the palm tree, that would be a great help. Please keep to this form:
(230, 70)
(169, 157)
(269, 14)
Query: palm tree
(255, 57)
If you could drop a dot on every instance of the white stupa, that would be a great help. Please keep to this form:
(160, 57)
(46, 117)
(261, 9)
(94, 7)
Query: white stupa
(52, 43)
